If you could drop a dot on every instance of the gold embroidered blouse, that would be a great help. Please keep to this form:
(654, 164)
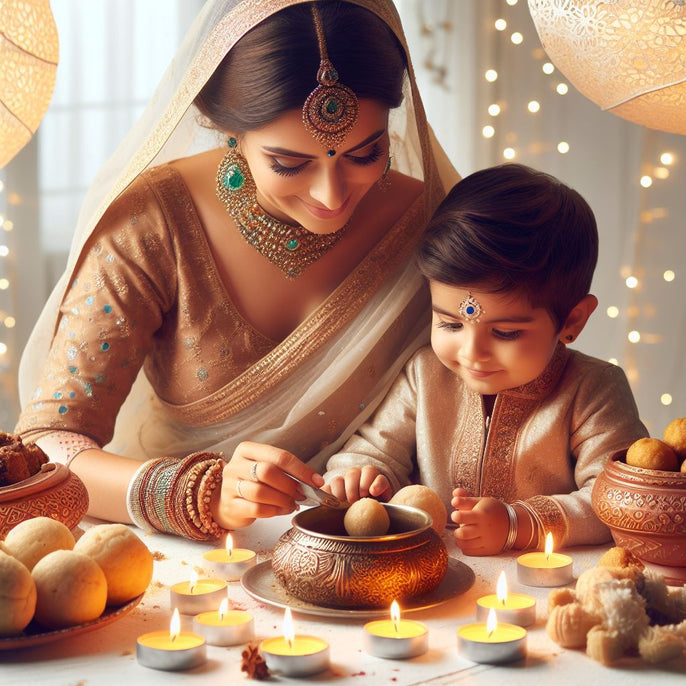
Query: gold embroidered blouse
(546, 443)
(147, 296)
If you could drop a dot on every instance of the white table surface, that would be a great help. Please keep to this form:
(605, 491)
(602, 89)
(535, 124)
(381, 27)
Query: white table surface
(108, 655)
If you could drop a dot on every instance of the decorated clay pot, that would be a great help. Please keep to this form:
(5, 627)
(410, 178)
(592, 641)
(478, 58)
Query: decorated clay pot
(645, 510)
(316, 561)
(54, 492)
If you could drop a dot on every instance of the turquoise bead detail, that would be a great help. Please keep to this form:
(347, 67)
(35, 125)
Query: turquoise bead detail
(292, 244)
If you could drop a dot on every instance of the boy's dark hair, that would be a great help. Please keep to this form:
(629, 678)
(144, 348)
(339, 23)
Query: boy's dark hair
(513, 228)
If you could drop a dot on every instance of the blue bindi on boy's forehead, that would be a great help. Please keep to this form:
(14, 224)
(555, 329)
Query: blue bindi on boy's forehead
(470, 309)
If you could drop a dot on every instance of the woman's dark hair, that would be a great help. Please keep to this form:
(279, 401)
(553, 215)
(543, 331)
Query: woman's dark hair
(273, 68)
(511, 228)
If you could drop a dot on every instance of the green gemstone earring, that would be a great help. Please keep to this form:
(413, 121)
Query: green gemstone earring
(233, 178)
(291, 248)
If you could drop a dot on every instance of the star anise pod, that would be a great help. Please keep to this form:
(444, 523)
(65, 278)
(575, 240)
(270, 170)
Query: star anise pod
(253, 664)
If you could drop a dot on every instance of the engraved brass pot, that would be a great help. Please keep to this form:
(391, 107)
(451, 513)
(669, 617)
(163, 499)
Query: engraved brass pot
(54, 492)
(645, 510)
(316, 561)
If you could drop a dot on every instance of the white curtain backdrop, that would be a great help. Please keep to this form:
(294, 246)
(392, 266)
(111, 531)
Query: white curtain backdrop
(112, 52)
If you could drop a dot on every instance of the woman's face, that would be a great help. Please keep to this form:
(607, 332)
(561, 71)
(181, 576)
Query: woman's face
(297, 182)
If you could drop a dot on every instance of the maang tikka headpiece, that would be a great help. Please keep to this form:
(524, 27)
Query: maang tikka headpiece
(331, 109)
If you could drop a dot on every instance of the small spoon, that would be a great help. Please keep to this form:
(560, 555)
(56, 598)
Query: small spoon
(321, 497)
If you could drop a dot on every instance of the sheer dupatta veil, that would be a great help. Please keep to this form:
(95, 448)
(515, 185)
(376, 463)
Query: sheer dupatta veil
(313, 389)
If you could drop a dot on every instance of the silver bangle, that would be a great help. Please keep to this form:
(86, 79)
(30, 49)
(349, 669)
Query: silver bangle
(533, 539)
(512, 532)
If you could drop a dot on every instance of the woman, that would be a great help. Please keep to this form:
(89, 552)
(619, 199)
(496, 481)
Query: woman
(265, 287)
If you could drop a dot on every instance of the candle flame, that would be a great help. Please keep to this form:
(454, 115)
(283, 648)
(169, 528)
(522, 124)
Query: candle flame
(229, 545)
(395, 615)
(288, 630)
(223, 608)
(501, 588)
(548, 545)
(174, 625)
(193, 582)
(491, 622)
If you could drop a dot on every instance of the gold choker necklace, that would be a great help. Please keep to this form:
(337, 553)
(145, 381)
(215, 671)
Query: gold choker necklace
(291, 248)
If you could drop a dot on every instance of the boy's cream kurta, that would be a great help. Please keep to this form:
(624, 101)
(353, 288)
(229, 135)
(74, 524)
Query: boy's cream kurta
(546, 443)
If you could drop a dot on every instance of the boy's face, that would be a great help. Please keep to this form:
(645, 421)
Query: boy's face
(510, 345)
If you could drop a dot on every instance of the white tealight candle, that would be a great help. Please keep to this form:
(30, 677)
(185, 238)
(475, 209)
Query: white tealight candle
(491, 643)
(546, 568)
(396, 638)
(229, 563)
(295, 654)
(225, 627)
(197, 595)
(511, 608)
(171, 650)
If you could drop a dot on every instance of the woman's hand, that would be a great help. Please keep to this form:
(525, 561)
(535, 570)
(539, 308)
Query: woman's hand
(255, 484)
(484, 523)
(360, 482)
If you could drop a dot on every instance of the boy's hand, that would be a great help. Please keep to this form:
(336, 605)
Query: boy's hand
(360, 482)
(484, 523)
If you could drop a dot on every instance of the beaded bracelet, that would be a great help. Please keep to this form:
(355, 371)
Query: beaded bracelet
(191, 493)
(512, 531)
(181, 518)
(210, 480)
(172, 495)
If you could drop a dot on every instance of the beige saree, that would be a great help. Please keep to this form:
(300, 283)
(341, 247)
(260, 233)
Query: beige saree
(307, 393)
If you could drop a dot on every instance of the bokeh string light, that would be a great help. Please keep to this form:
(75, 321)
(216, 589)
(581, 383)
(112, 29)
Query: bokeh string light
(637, 311)
(8, 352)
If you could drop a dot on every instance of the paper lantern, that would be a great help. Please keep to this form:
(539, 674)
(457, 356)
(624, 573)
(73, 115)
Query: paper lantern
(628, 56)
(29, 50)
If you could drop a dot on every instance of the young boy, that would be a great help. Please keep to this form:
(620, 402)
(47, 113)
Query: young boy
(498, 416)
